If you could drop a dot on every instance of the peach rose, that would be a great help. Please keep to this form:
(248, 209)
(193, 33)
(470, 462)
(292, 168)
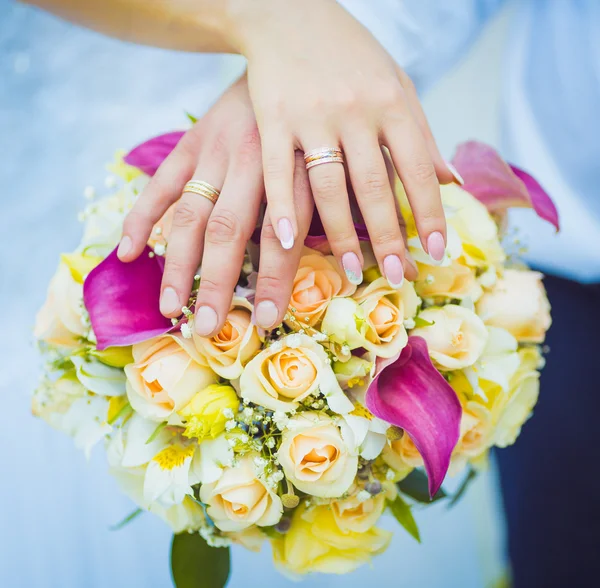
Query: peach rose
(314, 456)
(385, 309)
(476, 429)
(455, 338)
(162, 229)
(165, 375)
(318, 280)
(239, 499)
(285, 373)
(357, 516)
(518, 304)
(229, 350)
(59, 321)
(402, 455)
(453, 281)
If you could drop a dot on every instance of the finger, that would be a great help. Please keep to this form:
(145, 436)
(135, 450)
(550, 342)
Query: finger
(278, 166)
(412, 162)
(445, 171)
(278, 267)
(162, 191)
(229, 228)
(330, 193)
(374, 194)
(186, 240)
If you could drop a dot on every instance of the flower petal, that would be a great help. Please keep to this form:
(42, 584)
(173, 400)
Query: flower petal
(500, 185)
(148, 156)
(122, 300)
(410, 393)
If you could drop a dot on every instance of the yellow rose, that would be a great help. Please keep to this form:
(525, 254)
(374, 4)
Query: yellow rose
(229, 350)
(59, 321)
(285, 373)
(204, 416)
(518, 304)
(455, 281)
(315, 543)
(315, 458)
(357, 516)
(402, 455)
(455, 338)
(239, 499)
(476, 429)
(318, 280)
(476, 228)
(166, 374)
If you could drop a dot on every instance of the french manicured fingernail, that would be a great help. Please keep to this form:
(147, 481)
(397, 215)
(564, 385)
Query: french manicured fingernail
(436, 246)
(286, 233)
(394, 273)
(124, 247)
(352, 267)
(205, 321)
(265, 314)
(457, 177)
(169, 301)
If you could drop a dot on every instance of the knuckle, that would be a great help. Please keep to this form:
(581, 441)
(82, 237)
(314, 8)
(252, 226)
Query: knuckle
(223, 227)
(389, 94)
(274, 167)
(249, 147)
(327, 187)
(423, 173)
(268, 236)
(219, 145)
(387, 237)
(347, 100)
(185, 215)
(175, 269)
(376, 184)
(207, 284)
(269, 283)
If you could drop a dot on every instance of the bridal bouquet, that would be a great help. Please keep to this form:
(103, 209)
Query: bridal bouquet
(303, 436)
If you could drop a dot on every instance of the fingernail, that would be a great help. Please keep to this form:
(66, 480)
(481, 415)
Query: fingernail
(265, 314)
(392, 268)
(205, 321)
(457, 177)
(286, 233)
(352, 267)
(436, 246)
(169, 301)
(124, 247)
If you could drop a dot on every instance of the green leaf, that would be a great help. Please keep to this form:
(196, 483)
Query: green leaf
(156, 432)
(463, 487)
(421, 322)
(130, 517)
(191, 118)
(416, 486)
(194, 564)
(404, 516)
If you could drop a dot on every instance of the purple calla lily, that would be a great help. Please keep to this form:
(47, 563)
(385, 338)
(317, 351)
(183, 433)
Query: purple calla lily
(499, 185)
(316, 238)
(122, 300)
(148, 156)
(409, 392)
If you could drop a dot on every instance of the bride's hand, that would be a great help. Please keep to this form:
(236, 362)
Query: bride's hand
(223, 148)
(317, 79)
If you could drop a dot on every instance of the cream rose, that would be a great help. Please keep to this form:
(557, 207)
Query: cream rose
(288, 371)
(240, 499)
(318, 280)
(455, 338)
(357, 516)
(476, 430)
(455, 281)
(229, 350)
(476, 228)
(59, 321)
(165, 375)
(518, 304)
(402, 455)
(315, 543)
(315, 458)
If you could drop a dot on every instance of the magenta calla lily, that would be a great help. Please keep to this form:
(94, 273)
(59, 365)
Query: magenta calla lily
(148, 156)
(316, 238)
(409, 392)
(499, 185)
(122, 300)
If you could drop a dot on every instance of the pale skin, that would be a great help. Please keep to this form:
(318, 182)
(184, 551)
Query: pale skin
(316, 78)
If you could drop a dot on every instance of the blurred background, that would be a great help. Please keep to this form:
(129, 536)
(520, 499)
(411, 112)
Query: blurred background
(68, 99)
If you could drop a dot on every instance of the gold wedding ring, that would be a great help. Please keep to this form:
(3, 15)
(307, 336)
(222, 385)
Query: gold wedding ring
(323, 155)
(202, 189)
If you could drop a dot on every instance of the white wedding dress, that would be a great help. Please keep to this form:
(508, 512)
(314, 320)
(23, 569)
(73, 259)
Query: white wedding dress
(68, 99)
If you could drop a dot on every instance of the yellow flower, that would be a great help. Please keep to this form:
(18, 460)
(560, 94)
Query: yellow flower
(358, 516)
(122, 169)
(204, 416)
(80, 264)
(315, 543)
